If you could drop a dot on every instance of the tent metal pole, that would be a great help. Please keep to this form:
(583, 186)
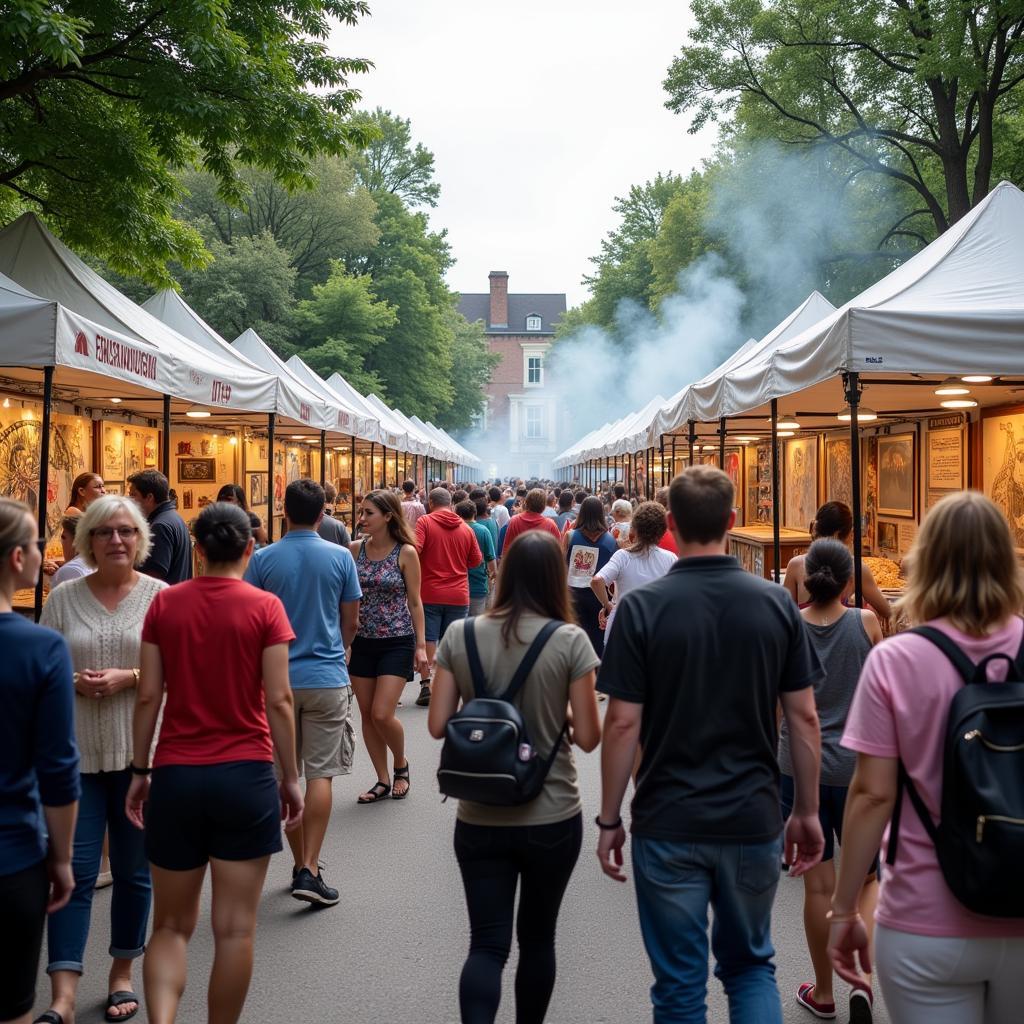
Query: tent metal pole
(673, 471)
(271, 482)
(661, 446)
(606, 473)
(323, 457)
(352, 489)
(373, 453)
(852, 386)
(44, 475)
(692, 438)
(776, 488)
(167, 437)
(721, 443)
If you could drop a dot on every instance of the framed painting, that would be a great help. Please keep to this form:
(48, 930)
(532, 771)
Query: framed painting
(256, 490)
(838, 470)
(888, 537)
(112, 467)
(800, 479)
(1002, 464)
(897, 475)
(197, 471)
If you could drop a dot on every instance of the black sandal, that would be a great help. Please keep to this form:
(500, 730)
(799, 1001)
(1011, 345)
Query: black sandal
(378, 791)
(402, 773)
(49, 1017)
(119, 998)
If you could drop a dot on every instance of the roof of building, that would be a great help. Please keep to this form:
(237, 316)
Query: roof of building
(549, 307)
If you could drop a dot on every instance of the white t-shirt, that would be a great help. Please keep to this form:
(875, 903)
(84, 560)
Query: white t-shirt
(629, 571)
(500, 514)
(72, 569)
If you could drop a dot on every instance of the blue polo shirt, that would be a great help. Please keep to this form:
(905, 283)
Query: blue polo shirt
(312, 577)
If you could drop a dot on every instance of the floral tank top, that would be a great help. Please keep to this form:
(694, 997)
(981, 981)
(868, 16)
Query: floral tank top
(383, 609)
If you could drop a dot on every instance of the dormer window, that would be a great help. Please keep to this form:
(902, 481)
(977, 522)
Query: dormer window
(533, 322)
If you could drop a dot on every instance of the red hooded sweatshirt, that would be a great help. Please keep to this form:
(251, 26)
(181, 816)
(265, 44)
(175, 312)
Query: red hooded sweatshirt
(529, 521)
(448, 550)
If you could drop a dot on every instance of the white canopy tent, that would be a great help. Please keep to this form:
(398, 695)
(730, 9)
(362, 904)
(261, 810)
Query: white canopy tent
(366, 424)
(418, 442)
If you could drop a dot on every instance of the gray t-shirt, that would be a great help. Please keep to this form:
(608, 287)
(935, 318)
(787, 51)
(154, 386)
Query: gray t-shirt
(334, 530)
(543, 700)
(843, 648)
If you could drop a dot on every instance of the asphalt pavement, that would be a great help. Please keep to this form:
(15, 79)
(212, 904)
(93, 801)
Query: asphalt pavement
(392, 950)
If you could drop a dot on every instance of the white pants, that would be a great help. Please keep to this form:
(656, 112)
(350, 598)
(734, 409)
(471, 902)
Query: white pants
(926, 979)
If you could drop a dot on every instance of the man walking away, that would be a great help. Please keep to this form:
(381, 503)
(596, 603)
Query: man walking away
(531, 518)
(498, 509)
(700, 701)
(481, 579)
(318, 585)
(329, 528)
(448, 550)
(170, 557)
(412, 507)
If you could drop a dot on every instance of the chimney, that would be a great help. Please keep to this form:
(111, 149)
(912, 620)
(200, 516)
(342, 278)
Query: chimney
(499, 298)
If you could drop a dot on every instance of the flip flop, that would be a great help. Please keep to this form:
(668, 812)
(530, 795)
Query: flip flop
(377, 792)
(119, 998)
(49, 1017)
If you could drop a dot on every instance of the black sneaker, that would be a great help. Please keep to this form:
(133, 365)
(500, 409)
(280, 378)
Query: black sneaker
(310, 888)
(320, 865)
(423, 700)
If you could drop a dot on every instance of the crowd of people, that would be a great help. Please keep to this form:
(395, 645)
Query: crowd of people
(759, 727)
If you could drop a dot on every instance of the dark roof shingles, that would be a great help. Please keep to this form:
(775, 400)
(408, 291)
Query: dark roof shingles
(550, 307)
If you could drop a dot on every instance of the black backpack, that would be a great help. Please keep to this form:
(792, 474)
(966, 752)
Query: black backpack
(980, 837)
(487, 756)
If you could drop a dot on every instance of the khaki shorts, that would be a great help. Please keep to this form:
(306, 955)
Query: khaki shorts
(325, 739)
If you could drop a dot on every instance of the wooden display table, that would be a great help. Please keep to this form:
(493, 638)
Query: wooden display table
(753, 547)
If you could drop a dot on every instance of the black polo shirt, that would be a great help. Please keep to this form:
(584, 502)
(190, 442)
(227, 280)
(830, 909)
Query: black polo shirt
(170, 558)
(707, 649)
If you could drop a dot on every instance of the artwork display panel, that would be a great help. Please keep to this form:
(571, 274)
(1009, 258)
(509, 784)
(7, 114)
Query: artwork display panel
(897, 475)
(256, 489)
(838, 470)
(112, 452)
(945, 463)
(869, 492)
(1002, 464)
(800, 480)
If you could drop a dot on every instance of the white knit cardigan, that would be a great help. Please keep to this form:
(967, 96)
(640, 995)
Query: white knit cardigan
(100, 639)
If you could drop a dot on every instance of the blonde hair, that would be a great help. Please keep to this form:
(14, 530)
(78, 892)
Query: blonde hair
(98, 513)
(963, 567)
(13, 531)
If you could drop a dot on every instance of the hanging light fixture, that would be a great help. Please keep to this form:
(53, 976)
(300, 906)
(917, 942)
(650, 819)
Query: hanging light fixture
(958, 403)
(7, 403)
(117, 401)
(952, 386)
(746, 438)
(787, 423)
(785, 433)
(864, 415)
(977, 378)
(196, 412)
(232, 439)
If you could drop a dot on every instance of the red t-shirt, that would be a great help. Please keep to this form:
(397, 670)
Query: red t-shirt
(668, 542)
(448, 550)
(529, 521)
(211, 633)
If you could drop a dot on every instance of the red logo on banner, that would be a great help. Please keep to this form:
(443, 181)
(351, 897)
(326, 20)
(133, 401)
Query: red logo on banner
(304, 413)
(82, 344)
(220, 393)
(343, 419)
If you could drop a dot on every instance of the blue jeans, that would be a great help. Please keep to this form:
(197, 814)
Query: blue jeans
(100, 810)
(675, 884)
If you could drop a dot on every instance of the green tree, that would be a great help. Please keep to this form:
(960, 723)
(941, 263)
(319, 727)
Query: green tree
(100, 101)
(340, 326)
(908, 91)
(249, 283)
(472, 365)
(331, 218)
(391, 163)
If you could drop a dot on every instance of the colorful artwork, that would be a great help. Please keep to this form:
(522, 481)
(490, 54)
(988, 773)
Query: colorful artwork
(257, 489)
(197, 470)
(1003, 468)
(801, 482)
(764, 483)
(896, 472)
(139, 450)
(870, 455)
(838, 470)
(113, 452)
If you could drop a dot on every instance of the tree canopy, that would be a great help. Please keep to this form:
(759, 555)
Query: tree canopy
(391, 163)
(102, 100)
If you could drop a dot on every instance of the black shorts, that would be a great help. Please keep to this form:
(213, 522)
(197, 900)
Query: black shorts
(382, 656)
(23, 897)
(229, 811)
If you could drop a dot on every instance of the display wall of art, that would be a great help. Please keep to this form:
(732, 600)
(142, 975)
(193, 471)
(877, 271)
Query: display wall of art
(197, 471)
(1002, 464)
(897, 475)
(800, 480)
(869, 491)
(112, 451)
(838, 470)
(945, 464)
(256, 489)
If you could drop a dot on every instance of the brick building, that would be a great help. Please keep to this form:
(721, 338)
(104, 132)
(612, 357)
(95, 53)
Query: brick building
(524, 425)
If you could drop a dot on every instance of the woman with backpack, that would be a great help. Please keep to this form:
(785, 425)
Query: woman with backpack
(939, 961)
(842, 638)
(535, 844)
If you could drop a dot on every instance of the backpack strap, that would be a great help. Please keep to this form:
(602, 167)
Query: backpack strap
(904, 784)
(950, 649)
(476, 669)
(530, 659)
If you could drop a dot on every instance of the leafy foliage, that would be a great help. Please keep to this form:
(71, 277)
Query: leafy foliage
(391, 163)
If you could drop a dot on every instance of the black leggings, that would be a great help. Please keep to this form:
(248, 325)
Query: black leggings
(493, 859)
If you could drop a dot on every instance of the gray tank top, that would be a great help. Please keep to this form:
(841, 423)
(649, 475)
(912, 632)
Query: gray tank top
(843, 647)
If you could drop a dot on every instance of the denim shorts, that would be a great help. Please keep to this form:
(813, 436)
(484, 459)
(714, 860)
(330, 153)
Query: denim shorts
(438, 617)
(831, 807)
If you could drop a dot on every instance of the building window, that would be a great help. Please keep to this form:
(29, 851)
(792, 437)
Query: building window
(533, 322)
(534, 369)
(535, 421)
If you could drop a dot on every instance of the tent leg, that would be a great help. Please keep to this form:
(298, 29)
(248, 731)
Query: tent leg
(692, 439)
(852, 386)
(323, 457)
(661, 449)
(776, 525)
(271, 482)
(167, 437)
(373, 459)
(352, 489)
(44, 474)
(721, 444)
(672, 471)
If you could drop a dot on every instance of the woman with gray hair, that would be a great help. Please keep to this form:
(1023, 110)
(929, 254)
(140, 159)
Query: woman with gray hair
(100, 617)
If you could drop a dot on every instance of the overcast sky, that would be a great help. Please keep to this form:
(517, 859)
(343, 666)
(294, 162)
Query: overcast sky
(539, 113)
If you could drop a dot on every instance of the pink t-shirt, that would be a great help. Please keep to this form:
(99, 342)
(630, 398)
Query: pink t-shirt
(899, 710)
